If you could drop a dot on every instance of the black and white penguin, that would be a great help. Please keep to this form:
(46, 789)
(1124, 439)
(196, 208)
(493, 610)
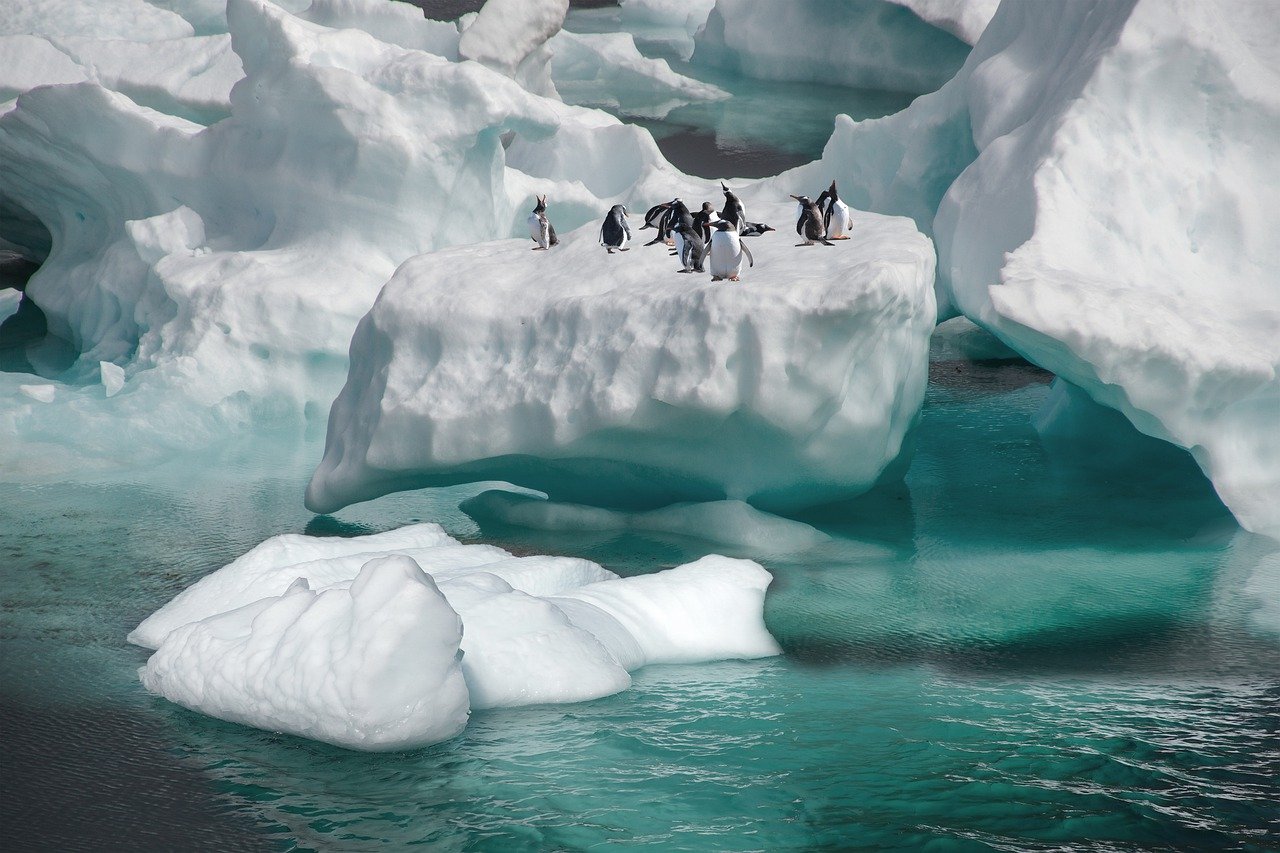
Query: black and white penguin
(810, 225)
(755, 229)
(614, 231)
(540, 228)
(727, 251)
(656, 217)
(733, 210)
(702, 220)
(689, 237)
(836, 217)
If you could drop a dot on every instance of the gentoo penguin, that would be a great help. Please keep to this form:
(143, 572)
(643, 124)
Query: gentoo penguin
(614, 231)
(540, 228)
(656, 217)
(689, 237)
(810, 225)
(733, 210)
(836, 217)
(727, 251)
(755, 229)
(702, 220)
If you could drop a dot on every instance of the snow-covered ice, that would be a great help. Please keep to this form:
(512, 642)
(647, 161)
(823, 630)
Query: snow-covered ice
(374, 666)
(614, 380)
(250, 642)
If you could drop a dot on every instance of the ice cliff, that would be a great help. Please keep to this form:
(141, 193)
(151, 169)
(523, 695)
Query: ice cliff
(387, 641)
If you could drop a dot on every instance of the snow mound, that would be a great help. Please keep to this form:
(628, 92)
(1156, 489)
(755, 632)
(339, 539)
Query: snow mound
(731, 523)
(867, 44)
(612, 380)
(511, 36)
(372, 667)
(249, 642)
(964, 19)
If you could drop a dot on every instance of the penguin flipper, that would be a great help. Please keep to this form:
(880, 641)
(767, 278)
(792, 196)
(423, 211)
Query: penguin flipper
(751, 261)
(553, 239)
(804, 217)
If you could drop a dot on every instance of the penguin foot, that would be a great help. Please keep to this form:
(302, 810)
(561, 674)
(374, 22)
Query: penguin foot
(611, 251)
(798, 245)
(628, 249)
(839, 238)
(684, 270)
(734, 278)
(827, 243)
(717, 278)
(539, 248)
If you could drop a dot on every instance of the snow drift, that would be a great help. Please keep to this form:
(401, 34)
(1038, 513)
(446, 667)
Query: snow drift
(613, 380)
(384, 642)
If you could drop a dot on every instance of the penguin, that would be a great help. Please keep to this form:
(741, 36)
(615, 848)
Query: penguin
(809, 225)
(689, 237)
(727, 251)
(540, 228)
(755, 229)
(656, 217)
(614, 231)
(676, 211)
(836, 218)
(702, 221)
(733, 210)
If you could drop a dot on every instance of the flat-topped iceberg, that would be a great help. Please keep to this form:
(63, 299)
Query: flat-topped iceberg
(386, 641)
(614, 380)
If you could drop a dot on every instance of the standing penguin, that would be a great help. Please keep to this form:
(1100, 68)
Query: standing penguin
(810, 225)
(733, 210)
(540, 228)
(836, 218)
(702, 220)
(689, 237)
(614, 231)
(727, 251)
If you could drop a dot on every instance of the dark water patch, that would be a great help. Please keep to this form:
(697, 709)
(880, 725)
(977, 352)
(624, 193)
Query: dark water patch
(964, 379)
(100, 778)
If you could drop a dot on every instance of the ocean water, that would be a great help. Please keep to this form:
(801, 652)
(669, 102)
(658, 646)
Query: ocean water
(1015, 649)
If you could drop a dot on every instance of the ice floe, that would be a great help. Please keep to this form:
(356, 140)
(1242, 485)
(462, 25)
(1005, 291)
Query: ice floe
(386, 641)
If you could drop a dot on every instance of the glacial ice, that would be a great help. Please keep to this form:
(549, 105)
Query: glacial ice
(374, 666)
(613, 380)
(867, 44)
(531, 630)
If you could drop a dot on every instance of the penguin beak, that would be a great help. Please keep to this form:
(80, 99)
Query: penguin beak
(796, 197)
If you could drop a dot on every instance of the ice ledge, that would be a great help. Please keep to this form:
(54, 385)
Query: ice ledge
(613, 380)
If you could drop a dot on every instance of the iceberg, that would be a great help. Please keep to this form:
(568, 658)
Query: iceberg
(289, 638)
(372, 667)
(867, 44)
(613, 381)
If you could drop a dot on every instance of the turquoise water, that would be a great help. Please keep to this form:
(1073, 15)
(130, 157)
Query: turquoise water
(1017, 649)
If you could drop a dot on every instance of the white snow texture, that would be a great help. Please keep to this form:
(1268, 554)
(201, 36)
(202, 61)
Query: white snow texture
(386, 641)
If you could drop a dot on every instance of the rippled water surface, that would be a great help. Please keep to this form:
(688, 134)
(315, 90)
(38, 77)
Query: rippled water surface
(1021, 648)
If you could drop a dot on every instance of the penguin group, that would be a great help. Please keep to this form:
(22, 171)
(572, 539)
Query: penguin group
(707, 241)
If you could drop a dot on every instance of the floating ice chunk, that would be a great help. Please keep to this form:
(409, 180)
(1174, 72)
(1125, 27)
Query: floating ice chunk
(704, 611)
(250, 642)
(41, 393)
(860, 43)
(731, 523)
(608, 70)
(112, 376)
(267, 570)
(522, 650)
(372, 667)
(611, 380)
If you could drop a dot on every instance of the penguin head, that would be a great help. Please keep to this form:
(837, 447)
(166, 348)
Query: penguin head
(541, 205)
(706, 207)
(724, 225)
(803, 199)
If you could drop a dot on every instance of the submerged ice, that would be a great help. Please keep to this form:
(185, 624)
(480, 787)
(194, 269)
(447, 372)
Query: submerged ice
(387, 641)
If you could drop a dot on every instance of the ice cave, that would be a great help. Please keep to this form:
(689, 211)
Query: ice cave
(684, 424)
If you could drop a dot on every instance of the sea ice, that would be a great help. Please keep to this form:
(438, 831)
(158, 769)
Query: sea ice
(251, 641)
(613, 380)
(375, 666)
